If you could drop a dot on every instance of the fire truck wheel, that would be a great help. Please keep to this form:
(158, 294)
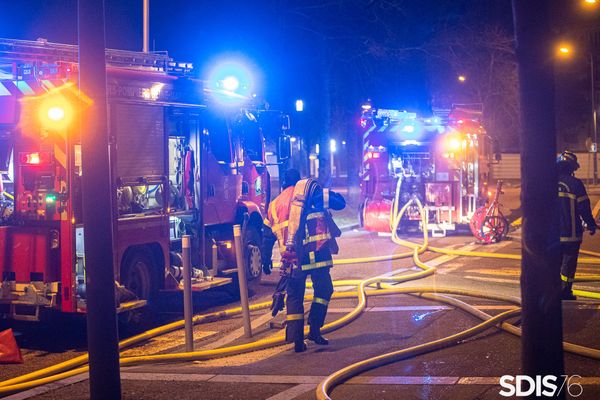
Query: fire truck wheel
(253, 257)
(494, 229)
(137, 276)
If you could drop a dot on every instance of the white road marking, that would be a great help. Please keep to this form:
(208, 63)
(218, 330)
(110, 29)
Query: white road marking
(289, 379)
(238, 333)
(293, 392)
(495, 280)
(145, 376)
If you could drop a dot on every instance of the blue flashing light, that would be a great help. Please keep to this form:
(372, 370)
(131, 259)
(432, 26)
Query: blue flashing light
(231, 83)
(408, 128)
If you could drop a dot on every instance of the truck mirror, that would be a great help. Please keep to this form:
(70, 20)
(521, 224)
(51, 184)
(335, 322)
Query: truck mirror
(284, 148)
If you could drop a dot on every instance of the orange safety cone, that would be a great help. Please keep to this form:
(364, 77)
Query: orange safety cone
(9, 350)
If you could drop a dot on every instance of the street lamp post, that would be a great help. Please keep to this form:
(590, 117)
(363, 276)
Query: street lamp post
(564, 51)
(594, 120)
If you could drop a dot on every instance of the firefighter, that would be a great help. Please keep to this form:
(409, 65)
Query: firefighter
(314, 233)
(574, 208)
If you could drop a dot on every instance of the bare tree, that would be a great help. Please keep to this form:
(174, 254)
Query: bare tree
(485, 57)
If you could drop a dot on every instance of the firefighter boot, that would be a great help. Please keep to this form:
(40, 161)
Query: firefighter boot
(567, 292)
(299, 346)
(314, 335)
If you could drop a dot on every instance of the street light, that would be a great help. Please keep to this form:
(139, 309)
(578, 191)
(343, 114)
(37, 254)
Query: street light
(462, 78)
(299, 105)
(564, 51)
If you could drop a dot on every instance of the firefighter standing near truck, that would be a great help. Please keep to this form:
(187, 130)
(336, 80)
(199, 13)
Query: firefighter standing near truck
(299, 220)
(574, 208)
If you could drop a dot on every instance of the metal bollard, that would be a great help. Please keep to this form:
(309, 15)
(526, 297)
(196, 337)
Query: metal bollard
(215, 260)
(241, 268)
(187, 293)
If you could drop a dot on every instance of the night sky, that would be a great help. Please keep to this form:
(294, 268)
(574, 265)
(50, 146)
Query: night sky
(265, 33)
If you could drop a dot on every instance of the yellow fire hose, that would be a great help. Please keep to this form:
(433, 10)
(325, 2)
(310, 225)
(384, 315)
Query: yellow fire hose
(65, 369)
(338, 377)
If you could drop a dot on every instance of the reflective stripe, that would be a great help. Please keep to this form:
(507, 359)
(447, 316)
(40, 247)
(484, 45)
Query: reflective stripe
(315, 215)
(60, 156)
(573, 228)
(24, 88)
(582, 198)
(569, 195)
(294, 317)
(321, 264)
(3, 90)
(566, 278)
(567, 188)
(326, 196)
(320, 301)
(280, 226)
(273, 213)
(314, 265)
(316, 238)
(571, 239)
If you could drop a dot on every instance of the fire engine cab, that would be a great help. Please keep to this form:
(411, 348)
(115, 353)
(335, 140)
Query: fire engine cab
(441, 159)
(179, 165)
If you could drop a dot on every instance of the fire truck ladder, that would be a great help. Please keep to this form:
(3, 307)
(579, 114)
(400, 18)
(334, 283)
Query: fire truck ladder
(43, 51)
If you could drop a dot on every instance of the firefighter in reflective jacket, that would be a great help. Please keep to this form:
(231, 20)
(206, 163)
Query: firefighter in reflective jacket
(574, 208)
(317, 232)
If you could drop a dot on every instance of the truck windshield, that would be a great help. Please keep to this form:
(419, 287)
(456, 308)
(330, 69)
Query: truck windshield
(406, 161)
(251, 138)
(219, 140)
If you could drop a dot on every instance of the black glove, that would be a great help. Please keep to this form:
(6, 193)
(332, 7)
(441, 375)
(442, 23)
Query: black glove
(592, 229)
(267, 267)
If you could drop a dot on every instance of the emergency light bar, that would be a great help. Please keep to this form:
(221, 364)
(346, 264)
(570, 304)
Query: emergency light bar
(395, 115)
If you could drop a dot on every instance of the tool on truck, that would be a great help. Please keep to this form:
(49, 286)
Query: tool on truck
(179, 165)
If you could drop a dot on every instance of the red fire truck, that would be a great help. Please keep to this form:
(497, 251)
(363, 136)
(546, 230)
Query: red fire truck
(443, 160)
(180, 165)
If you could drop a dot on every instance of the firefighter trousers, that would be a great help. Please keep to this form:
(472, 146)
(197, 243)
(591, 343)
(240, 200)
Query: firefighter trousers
(323, 289)
(569, 252)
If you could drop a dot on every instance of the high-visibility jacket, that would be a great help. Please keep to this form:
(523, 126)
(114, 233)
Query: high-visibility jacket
(574, 207)
(319, 230)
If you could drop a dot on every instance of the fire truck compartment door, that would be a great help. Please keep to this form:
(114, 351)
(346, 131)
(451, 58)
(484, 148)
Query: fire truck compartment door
(26, 250)
(140, 140)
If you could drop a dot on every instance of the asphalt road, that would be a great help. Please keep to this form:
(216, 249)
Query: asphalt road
(469, 370)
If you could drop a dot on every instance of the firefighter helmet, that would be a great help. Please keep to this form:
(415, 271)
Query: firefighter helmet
(569, 158)
(291, 177)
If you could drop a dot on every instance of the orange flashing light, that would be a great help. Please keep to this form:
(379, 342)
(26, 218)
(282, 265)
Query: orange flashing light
(55, 113)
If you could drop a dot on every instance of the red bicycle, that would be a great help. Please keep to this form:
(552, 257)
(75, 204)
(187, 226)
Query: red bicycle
(488, 224)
